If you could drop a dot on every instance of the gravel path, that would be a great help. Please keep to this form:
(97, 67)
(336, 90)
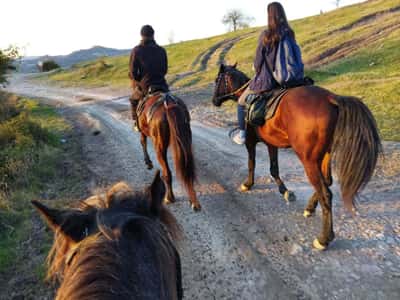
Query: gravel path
(248, 245)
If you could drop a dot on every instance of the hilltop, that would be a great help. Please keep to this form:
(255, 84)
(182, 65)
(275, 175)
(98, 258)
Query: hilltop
(352, 50)
(65, 61)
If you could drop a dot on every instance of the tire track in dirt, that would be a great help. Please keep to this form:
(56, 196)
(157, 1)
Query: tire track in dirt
(353, 45)
(367, 19)
(213, 56)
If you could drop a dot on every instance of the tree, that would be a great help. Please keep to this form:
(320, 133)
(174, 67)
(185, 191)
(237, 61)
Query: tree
(337, 3)
(7, 57)
(236, 19)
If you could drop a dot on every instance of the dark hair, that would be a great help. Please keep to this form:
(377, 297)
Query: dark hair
(278, 25)
(147, 31)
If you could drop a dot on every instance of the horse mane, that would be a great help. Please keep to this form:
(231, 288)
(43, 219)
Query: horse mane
(241, 76)
(102, 265)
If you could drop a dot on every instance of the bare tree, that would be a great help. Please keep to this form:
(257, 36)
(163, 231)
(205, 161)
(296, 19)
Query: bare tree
(337, 3)
(236, 19)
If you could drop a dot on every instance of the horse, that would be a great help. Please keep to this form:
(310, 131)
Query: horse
(320, 127)
(166, 120)
(120, 245)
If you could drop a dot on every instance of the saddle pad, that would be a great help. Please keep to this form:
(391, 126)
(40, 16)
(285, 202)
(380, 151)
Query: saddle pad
(165, 99)
(273, 103)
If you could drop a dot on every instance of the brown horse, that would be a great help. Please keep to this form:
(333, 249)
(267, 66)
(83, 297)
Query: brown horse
(317, 125)
(116, 246)
(166, 120)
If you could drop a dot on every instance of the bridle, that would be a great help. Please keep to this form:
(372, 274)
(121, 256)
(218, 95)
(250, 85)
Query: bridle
(227, 86)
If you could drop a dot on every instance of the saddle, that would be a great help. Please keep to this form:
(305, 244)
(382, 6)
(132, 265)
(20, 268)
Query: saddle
(262, 107)
(164, 99)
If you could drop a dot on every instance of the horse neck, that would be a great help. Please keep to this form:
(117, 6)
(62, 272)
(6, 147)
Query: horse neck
(122, 269)
(240, 79)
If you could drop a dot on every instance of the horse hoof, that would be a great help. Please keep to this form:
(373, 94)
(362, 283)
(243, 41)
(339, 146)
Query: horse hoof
(244, 188)
(149, 166)
(289, 196)
(317, 245)
(307, 213)
(196, 207)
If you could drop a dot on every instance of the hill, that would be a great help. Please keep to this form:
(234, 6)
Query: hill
(65, 61)
(352, 50)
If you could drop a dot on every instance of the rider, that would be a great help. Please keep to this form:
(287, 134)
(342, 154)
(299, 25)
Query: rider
(263, 81)
(148, 66)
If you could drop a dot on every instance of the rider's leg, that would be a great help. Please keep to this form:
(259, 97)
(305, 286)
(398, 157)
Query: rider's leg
(134, 104)
(240, 136)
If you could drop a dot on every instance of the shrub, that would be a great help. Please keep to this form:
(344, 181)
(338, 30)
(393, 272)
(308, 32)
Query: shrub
(47, 65)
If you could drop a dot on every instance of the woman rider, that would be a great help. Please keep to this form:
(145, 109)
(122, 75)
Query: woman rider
(263, 81)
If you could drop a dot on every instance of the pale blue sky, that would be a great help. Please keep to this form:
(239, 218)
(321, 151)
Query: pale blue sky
(61, 26)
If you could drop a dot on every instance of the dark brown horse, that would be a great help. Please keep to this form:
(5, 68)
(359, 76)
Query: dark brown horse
(317, 125)
(116, 246)
(165, 119)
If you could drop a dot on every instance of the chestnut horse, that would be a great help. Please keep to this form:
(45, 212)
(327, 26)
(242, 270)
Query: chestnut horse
(318, 125)
(115, 246)
(166, 120)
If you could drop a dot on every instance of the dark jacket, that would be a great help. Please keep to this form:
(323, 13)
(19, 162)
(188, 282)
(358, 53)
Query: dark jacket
(263, 80)
(265, 63)
(149, 60)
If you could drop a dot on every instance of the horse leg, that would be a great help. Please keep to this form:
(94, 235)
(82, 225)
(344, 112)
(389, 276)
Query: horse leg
(324, 196)
(148, 162)
(251, 142)
(274, 170)
(161, 152)
(327, 173)
(326, 168)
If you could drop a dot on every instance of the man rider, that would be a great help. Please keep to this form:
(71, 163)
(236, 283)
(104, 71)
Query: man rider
(148, 66)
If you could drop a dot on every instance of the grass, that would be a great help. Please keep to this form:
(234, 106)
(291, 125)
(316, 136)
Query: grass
(34, 164)
(369, 68)
(30, 148)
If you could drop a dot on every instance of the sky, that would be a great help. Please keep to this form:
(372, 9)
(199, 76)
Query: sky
(56, 27)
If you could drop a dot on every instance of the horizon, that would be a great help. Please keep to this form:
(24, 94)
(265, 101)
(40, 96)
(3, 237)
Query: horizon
(187, 24)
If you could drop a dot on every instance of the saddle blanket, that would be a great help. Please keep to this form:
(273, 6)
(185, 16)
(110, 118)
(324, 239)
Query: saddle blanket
(262, 107)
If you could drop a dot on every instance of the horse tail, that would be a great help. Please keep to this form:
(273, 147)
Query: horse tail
(181, 142)
(356, 146)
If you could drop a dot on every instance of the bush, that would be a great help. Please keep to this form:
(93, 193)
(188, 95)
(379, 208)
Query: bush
(22, 140)
(6, 59)
(47, 65)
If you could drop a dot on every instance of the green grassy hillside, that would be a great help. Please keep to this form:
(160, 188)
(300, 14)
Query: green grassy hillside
(353, 50)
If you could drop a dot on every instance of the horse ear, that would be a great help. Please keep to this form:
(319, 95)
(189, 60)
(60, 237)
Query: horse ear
(234, 66)
(157, 193)
(118, 192)
(222, 68)
(70, 222)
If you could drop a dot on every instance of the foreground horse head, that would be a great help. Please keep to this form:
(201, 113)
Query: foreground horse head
(116, 246)
(228, 84)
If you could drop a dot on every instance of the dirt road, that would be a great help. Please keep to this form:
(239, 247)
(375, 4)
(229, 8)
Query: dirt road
(247, 245)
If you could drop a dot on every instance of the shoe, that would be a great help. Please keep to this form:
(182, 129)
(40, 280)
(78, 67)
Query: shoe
(239, 137)
(135, 127)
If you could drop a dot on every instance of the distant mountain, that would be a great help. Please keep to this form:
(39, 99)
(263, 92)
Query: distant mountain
(28, 64)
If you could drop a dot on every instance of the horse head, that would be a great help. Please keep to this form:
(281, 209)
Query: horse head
(228, 81)
(102, 239)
